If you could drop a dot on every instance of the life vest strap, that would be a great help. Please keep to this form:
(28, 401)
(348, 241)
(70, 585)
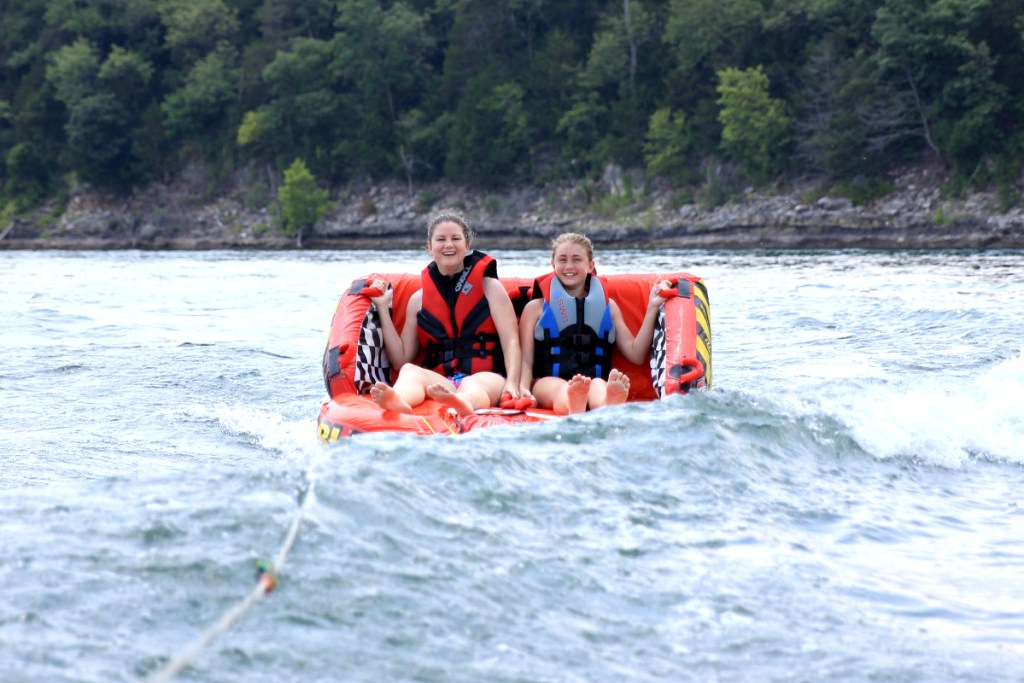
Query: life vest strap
(445, 351)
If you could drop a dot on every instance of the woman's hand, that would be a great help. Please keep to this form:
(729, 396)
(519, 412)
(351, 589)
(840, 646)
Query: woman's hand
(524, 401)
(512, 389)
(381, 300)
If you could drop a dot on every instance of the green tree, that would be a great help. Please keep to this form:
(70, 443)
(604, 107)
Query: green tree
(851, 123)
(306, 114)
(481, 39)
(73, 71)
(98, 140)
(668, 145)
(614, 55)
(948, 71)
(195, 29)
(202, 101)
(302, 202)
(715, 33)
(489, 137)
(755, 127)
(700, 37)
(251, 129)
(611, 71)
(27, 179)
(421, 144)
(382, 55)
(272, 28)
(381, 52)
(582, 127)
(127, 76)
(97, 125)
(281, 21)
(549, 82)
(496, 90)
(129, 23)
(975, 103)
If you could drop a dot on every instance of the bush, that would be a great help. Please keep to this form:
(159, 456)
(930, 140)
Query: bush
(27, 177)
(426, 199)
(861, 191)
(302, 202)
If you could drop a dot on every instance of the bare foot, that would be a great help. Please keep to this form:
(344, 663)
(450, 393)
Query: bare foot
(577, 391)
(618, 388)
(388, 399)
(445, 396)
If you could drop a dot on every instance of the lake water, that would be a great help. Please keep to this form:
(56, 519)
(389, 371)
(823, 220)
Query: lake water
(844, 505)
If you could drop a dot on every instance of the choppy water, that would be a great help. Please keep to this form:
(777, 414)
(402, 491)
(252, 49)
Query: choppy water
(845, 505)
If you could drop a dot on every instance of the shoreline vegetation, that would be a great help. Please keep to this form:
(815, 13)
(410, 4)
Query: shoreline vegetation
(616, 211)
(171, 124)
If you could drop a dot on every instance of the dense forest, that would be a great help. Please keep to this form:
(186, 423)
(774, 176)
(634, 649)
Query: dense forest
(705, 94)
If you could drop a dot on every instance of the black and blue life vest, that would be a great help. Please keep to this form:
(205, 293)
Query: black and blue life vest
(573, 336)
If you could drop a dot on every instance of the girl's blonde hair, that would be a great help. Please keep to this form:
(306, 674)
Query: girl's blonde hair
(449, 216)
(573, 238)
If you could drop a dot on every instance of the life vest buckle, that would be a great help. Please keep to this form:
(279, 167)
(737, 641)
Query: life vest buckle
(579, 340)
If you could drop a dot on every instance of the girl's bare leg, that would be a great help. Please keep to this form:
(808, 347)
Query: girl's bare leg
(610, 393)
(577, 391)
(618, 388)
(551, 395)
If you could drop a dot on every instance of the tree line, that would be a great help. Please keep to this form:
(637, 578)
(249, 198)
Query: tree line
(705, 94)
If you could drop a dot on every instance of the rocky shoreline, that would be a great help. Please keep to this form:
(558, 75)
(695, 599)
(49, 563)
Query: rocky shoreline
(186, 216)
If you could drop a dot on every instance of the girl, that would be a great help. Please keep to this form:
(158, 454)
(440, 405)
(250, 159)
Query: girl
(567, 337)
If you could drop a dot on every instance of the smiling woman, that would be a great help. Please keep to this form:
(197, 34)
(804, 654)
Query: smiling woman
(463, 321)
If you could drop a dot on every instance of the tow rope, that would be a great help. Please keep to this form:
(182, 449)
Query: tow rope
(266, 582)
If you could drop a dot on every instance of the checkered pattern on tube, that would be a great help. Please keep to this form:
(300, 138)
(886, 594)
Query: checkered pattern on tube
(371, 362)
(658, 354)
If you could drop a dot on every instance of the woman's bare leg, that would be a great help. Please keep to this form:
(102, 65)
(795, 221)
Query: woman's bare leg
(442, 393)
(389, 399)
(482, 389)
(409, 390)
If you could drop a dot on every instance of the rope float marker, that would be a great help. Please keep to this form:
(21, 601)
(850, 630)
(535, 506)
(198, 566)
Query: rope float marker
(266, 582)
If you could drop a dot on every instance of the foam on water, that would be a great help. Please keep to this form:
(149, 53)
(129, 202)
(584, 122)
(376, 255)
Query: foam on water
(939, 419)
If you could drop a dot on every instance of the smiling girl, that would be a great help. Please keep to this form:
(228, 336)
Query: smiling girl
(567, 337)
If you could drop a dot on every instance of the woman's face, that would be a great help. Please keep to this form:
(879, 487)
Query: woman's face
(571, 264)
(448, 247)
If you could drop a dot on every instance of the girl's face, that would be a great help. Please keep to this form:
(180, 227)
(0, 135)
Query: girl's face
(572, 265)
(448, 247)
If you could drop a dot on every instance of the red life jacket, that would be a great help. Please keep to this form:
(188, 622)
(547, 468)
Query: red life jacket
(454, 325)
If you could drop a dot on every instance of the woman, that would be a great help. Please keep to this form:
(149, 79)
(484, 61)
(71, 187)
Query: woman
(567, 336)
(464, 321)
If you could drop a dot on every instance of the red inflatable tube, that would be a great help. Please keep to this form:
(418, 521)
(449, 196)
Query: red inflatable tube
(354, 358)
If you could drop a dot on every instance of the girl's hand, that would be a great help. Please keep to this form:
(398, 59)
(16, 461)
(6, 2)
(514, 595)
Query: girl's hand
(657, 298)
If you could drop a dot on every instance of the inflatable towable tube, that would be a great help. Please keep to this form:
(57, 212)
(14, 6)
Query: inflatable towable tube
(354, 359)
